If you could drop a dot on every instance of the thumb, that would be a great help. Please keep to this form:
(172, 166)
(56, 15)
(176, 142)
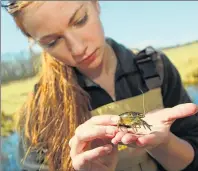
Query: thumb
(179, 111)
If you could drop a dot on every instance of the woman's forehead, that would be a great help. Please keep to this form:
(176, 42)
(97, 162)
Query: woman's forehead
(40, 16)
(47, 7)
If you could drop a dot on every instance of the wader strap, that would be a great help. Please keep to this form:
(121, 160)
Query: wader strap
(150, 66)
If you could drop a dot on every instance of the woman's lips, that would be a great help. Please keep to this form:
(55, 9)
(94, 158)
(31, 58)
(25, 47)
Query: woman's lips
(89, 58)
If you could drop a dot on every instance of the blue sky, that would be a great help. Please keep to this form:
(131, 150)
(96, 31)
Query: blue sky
(135, 24)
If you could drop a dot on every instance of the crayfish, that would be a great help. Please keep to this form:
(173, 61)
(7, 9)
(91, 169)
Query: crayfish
(133, 120)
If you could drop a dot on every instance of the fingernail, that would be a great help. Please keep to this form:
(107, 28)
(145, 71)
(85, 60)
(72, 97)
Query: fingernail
(139, 143)
(114, 142)
(108, 148)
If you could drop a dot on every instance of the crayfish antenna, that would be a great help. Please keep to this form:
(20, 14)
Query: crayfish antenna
(143, 101)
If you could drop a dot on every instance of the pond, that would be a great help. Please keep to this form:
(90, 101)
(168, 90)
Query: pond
(9, 153)
(9, 144)
(193, 92)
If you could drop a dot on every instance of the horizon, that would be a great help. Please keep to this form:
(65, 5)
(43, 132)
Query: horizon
(165, 47)
(26, 53)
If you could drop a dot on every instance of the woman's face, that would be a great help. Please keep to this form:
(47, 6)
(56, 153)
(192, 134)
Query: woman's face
(70, 31)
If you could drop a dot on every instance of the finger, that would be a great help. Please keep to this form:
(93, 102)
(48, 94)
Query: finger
(77, 147)
(87, 133)
(82, 160)
(179, 111)
(129, 138)
(104, 120)
(118, 137)
(91, 132)
(147, 140)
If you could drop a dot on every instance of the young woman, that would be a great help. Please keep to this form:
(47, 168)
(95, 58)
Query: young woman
(85, 74)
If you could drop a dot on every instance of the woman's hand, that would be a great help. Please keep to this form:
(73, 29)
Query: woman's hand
(161, 122)
(91, 147)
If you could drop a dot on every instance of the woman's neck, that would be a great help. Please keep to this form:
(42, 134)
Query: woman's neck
(109, 62)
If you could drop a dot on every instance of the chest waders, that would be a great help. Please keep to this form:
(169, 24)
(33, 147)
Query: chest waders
(150, 66)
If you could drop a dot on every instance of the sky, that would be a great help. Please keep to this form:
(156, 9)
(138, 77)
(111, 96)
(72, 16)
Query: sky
(135, 24)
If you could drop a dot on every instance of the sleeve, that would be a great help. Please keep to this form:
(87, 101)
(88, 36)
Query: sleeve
(174, 93)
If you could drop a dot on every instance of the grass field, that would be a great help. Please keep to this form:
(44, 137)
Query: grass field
(185, 58)
(14, 94)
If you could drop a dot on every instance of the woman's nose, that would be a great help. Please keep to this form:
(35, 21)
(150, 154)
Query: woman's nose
(75, 45)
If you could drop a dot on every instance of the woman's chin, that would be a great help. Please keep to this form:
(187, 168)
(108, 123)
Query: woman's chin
(91, 66)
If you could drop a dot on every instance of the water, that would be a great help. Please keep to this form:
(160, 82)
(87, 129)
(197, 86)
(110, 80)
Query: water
(193, 92)
(9, 144)
(9, 153)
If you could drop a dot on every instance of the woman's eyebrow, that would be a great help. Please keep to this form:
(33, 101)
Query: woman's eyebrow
(74, 14)
(70, 21)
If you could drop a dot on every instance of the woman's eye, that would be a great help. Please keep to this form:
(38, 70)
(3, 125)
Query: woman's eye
(52, 43)
(81, 21)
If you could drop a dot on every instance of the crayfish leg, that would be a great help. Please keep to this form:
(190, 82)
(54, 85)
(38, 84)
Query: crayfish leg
(147, 125)
(134, 128)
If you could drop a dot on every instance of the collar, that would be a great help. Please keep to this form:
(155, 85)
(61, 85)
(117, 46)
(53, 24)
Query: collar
(125, 64)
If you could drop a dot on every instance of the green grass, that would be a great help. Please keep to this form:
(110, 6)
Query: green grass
(185, 58)
(14, 94)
